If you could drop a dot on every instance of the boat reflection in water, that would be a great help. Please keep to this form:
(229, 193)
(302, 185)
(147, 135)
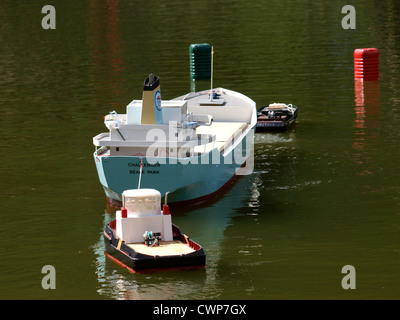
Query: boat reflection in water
(366, 122)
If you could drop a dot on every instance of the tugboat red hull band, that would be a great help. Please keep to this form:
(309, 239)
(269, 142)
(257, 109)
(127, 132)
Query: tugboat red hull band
(118, 262)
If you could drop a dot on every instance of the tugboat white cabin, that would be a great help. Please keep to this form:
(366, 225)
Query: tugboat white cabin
(142, 213)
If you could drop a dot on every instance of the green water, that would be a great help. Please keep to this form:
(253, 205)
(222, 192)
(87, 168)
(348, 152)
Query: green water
(323, 195)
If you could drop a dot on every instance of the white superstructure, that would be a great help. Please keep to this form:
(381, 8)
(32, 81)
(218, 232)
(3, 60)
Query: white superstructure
(141, 213)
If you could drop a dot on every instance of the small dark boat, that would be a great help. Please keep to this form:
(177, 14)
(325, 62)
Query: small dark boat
(276, 117)
(143, 237)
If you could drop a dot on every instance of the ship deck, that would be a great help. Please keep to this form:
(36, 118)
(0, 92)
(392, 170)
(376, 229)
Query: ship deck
(225, 134)
(230, 106)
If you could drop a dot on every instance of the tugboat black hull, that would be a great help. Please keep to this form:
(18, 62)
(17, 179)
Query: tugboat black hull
(135, 260)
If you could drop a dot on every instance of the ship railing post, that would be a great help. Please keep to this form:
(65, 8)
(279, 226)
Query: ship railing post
(212, 69)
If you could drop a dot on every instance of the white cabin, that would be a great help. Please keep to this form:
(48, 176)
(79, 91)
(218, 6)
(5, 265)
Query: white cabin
(141, 212)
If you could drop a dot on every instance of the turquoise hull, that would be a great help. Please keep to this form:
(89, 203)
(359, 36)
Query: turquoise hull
(188, 179)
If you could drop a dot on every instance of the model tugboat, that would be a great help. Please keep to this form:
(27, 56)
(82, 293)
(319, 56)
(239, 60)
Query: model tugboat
(276, 117)
(143, 237)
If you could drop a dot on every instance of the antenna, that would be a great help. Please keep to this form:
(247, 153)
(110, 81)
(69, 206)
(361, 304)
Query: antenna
(212, 69)
(140, 173)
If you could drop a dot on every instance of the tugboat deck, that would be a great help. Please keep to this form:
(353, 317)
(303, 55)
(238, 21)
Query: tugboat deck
(166, 248)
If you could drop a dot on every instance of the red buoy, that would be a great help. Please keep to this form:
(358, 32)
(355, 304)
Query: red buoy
(366, 64)
(124, 212)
